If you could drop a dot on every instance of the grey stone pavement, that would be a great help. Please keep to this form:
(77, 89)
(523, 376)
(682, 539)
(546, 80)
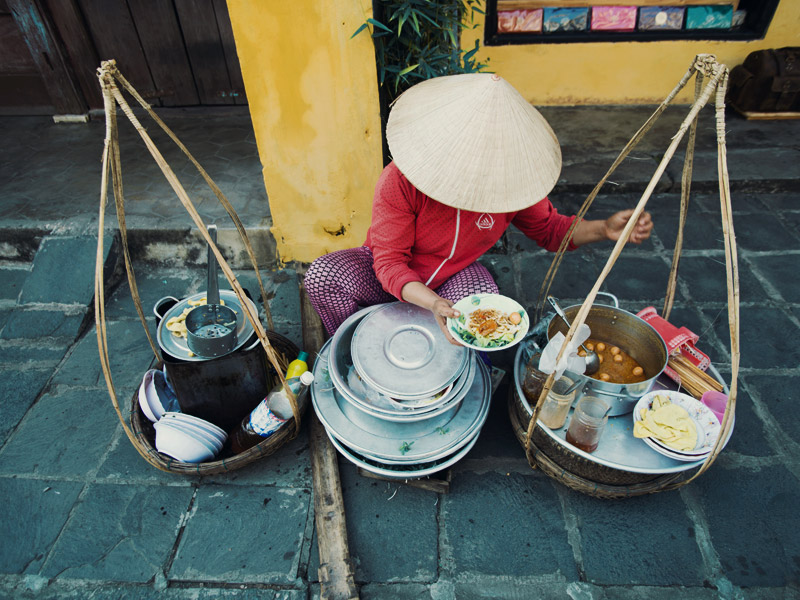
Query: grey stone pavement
(85, 517)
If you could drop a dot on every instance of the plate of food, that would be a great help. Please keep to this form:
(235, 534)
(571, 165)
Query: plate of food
(675, 424)
(489, 322)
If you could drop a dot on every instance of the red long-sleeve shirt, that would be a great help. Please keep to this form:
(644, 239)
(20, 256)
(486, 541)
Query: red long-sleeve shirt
(415, 238)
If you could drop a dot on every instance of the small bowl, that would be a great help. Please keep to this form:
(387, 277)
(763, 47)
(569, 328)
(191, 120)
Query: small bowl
(181, 445)
(202, 434)
(202, 423)
(144, 400)
(716, 403)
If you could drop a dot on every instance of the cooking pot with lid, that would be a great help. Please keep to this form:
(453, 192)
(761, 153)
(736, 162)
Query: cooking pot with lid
(613, 325)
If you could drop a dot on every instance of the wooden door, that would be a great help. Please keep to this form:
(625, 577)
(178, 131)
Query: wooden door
(174, 52)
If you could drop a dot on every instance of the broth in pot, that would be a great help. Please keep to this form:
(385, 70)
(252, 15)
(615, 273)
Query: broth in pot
(616, 365)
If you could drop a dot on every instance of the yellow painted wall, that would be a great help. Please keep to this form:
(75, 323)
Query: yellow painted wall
(620, 72)
(314, 101)
(314, 105)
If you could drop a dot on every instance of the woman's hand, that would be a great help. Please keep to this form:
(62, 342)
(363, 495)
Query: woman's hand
(617, 222)
(597, 230)
(442, 308)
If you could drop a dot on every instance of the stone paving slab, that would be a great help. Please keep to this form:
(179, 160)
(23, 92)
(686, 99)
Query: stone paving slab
(257, 534)
(119, 533)
(28, 540)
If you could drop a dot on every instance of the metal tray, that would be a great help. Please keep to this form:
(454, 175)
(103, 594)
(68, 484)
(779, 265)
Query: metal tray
(178, 347)
(399, 350)
(394, 472)
(618, 449)
(391, 440)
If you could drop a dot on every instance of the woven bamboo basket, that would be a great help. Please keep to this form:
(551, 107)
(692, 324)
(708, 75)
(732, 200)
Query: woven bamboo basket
(279, 350)
(575, 472)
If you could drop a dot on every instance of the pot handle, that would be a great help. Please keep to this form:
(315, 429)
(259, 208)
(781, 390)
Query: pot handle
(614, 299)
(160, 308)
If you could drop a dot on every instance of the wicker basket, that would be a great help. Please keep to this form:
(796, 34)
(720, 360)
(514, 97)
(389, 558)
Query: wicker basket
(575, 471)
(145, 434)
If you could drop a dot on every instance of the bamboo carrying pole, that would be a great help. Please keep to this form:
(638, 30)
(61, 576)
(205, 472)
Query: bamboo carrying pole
(109, 76)
(705, 66)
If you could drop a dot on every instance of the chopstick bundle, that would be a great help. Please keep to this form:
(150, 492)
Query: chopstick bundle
(696, 381)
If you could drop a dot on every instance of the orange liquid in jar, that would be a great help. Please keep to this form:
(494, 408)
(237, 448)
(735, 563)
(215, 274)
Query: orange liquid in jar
(583, 437)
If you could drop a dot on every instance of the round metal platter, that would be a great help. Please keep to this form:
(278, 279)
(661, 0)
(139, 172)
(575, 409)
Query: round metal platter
(177, 346)
(377, 403)
(618, 449)
(395, 472)
(391, 440)
(399, 350)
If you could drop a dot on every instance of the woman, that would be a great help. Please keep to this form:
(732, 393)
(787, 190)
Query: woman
(470, 157)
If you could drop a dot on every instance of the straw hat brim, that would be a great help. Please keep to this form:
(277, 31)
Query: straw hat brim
(473, 142)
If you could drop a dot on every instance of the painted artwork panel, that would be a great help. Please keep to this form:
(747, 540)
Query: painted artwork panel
(520, 21)
(565, 19)
(709, 17)
(614, 18)
(659, 18)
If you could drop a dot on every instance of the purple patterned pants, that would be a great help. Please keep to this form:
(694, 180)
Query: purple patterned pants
(340, 283)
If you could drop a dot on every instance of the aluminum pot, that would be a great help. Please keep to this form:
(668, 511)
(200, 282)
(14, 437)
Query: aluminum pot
(613, 325)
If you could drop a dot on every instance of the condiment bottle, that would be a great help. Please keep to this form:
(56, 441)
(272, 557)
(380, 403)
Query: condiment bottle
(587, 423)
(298, 366)
(270, 414)
(557, 404)
(534, 380)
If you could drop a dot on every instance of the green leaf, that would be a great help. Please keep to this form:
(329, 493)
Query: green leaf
(408, 69)
(359, 30)
(379, 24)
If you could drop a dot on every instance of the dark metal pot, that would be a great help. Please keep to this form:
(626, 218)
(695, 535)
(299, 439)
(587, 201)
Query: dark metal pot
(221, 390)
(633, 335)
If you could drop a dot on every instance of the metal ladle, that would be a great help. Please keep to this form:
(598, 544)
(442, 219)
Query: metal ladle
(592, 359)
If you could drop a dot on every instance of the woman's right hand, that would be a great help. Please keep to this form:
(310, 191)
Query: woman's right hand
(442, 309)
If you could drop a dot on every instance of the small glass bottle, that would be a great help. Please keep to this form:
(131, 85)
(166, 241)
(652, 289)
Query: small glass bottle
(587, 423)
(270, 415)
(557, 404)
(534, 380)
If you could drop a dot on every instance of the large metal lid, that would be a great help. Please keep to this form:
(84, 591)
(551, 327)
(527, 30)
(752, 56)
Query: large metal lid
(399, 349)
(178, 347)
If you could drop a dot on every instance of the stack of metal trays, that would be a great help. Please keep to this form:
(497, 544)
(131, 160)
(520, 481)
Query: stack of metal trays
(395, 397)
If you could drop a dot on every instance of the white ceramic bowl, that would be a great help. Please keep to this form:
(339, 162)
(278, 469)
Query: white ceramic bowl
(202, 423)
(181, 445)
(215, 441)
(144, 401)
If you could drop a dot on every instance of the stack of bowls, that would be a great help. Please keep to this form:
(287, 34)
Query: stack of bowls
(395, 397)
(187, 438)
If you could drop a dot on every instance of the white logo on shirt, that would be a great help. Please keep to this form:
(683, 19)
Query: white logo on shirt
(485, 221)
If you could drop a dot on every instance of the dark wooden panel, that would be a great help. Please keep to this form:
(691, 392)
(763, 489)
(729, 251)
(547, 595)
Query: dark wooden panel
(229, 47)
(111, 27)
(160, 36)
(204, 47)
(24, 94)
(80, 49)
(49, 55)
(14, 54)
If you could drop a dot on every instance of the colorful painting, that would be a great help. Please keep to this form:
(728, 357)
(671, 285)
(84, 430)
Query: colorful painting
(709, 17)
(613, 18)
(660, 18)
(565, 19)
(519, 21)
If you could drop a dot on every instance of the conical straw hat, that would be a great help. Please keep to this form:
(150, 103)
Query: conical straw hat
(473, 142)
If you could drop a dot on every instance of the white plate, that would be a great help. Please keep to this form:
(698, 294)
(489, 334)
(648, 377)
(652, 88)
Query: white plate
(708, 427)
(457, 327)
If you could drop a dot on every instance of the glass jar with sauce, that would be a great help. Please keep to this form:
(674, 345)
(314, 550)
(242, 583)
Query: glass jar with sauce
(558, 402)
(587, 423)
(534, 380)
